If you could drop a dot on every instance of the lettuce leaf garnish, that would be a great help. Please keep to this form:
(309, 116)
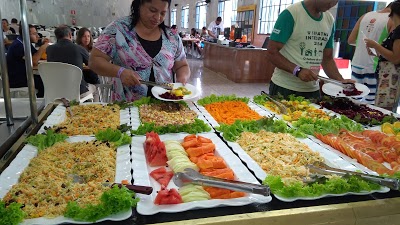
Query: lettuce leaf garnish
(197, 127)
(334, 185)
(222, 98)
(115, 136)
(12, 214)
(48, 139)
(112, 201)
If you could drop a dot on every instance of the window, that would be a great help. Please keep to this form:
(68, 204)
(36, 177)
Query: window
(173, 17)
(269, 11)
(227, 10)
(201, 13)
(185, 17)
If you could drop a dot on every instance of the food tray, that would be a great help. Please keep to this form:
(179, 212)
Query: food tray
(141, 177)
(11, 174)
(330, 157)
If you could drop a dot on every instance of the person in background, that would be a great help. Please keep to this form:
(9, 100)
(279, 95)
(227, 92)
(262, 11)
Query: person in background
(141, 47)
(6, 28)
(213, 27)
(14, 25)
(194, 33)
(84, 39)
(388, 69)
(197, 46)
(302, 41)
(204, 33)
(232, 33)
(174, 29)
(67, 52)
(375, 26)
(16, 61)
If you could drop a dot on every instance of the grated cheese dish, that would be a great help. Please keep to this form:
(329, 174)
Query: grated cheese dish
(47, 184)
(89, 119)
(279, 154)
(163, 114)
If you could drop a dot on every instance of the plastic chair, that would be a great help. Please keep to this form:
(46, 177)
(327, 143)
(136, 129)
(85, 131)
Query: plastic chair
(22, 92)
(60, 80)
(104, 89)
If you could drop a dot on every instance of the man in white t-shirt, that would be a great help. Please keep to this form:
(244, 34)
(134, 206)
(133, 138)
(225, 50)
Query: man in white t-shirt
(302, 41)
(213, 28)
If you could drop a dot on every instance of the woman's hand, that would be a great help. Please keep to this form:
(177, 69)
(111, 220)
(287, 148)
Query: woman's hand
(182, 79)
(130, 78)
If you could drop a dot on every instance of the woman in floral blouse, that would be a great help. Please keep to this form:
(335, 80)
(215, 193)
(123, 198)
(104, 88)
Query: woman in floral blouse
(139, 47)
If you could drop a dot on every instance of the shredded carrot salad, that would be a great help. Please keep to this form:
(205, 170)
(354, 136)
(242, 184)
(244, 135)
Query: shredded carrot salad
(230, 111)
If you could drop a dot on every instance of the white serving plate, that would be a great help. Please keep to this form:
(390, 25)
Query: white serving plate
(157, 91)
(11, 174)
(215, 124)
(331, 159)
(136, 119)
(59, 114)
(337, 91)
(141, 177)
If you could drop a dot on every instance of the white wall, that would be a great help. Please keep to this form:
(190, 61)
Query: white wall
(101, 12)
(95, 13)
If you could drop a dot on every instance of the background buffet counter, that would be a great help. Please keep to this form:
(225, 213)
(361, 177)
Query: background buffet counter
(240, 65)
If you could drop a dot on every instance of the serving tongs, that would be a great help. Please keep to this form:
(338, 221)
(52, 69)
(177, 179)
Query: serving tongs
(345, 86)
(67, 106)
(191, 176)
(282, 108)
(167, 86)
(322, 168)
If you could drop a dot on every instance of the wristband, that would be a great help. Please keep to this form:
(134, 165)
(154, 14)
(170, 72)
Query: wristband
(295, 70)
(120, 72)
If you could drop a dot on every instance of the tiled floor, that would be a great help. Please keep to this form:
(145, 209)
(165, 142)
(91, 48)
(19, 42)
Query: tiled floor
(209, 82)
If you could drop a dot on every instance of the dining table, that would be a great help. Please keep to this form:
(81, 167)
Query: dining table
(192, 42)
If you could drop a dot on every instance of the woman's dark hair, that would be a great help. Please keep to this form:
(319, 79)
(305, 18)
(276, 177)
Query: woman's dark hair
(193, 31)
(135, 6)
(395, 8)
(173, 27)
(80, 34)
(4, 20)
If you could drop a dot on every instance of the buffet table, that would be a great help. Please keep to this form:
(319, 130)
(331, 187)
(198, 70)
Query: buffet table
(240, 65)
(371, 209)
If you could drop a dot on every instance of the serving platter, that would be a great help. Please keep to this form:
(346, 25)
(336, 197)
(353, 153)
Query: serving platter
(330, 157)
(215, 124)
(59, 115)
(135, 118)
(141, 176)
(11, 174)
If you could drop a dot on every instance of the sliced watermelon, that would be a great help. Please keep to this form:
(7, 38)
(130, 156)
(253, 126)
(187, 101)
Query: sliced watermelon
(162, 176)
(154, 150)
(167, 197)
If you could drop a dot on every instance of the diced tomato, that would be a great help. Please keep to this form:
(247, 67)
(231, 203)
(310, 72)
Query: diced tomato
(154, 150)
(162, 176)
(167, 197)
